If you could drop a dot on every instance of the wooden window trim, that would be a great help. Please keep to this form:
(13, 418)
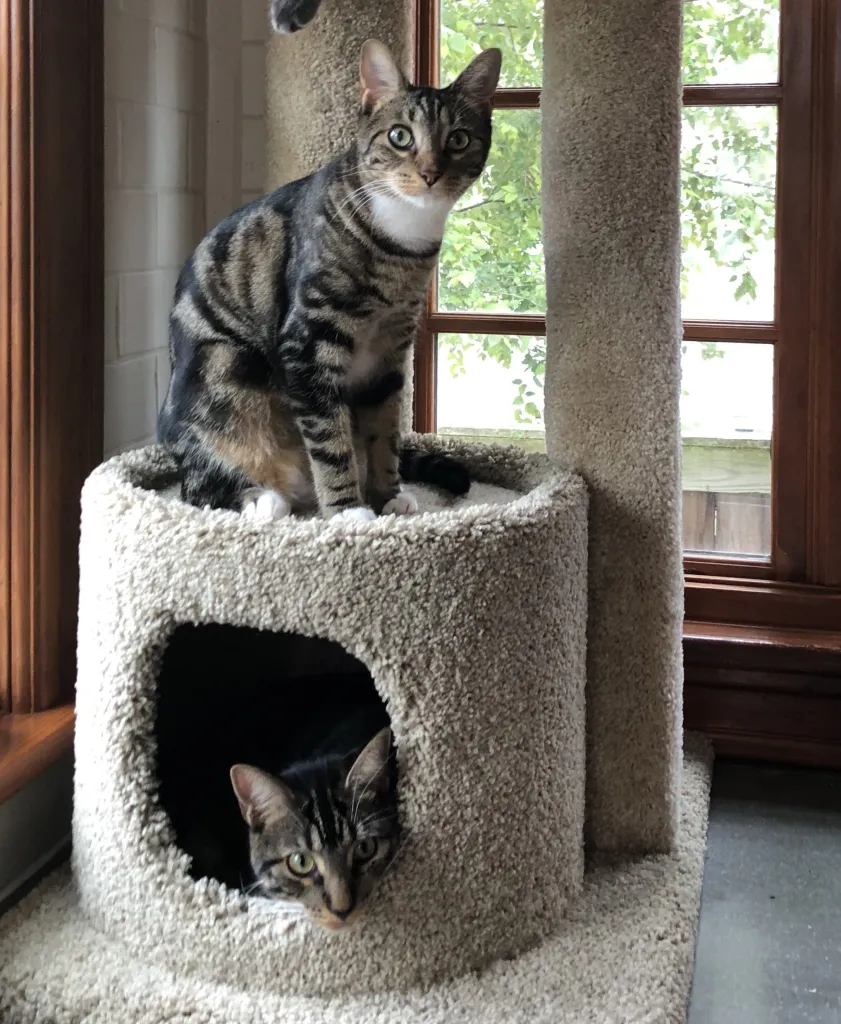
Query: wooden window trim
(51, 358)
(31, 743)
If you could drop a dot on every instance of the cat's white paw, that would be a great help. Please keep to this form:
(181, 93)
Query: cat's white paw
(267, 505)
(402, 504)
(358, 515)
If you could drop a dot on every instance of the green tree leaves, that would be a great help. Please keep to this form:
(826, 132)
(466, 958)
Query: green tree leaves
(492, 260)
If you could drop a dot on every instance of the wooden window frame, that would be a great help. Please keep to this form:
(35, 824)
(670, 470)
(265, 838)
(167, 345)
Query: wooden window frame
(762, 640)
(806, 544)
(51, 359)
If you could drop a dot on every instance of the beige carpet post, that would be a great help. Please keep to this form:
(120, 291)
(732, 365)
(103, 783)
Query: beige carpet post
(611, 132)
(312, 82)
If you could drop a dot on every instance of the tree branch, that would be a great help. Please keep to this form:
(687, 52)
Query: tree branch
(768, 189)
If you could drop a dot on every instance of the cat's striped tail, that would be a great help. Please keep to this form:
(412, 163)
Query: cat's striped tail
(440, 470)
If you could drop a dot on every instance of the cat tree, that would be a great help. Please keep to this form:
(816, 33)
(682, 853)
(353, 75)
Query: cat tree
(526, 640)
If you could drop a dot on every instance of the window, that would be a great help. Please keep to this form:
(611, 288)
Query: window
(51, 359)
(756, 174)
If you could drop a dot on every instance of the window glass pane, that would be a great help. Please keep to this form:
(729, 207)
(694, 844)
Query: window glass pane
(514, 26)
(492, 256)
(728, 169)
(490, 387)
(730, 41)
(726, 417)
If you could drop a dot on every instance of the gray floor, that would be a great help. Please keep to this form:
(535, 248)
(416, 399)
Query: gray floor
(769, 945)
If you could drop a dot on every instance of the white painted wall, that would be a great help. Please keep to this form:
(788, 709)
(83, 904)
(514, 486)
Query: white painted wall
(255, 29)
(155, 130)
(185, 146)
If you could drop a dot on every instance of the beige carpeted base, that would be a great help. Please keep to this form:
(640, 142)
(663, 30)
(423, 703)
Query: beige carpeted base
(624, 956)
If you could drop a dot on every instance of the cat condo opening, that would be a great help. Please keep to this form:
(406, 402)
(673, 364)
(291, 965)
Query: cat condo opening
(232, 695)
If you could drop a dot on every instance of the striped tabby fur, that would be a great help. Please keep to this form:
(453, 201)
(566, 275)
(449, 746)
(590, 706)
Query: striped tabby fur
(294, 321)
(324, 832)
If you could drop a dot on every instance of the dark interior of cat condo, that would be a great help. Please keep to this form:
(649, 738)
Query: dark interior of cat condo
(229, 695)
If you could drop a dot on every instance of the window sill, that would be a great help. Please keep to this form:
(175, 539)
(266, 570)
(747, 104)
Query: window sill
(766, 637)
(763, 604)
(31, 743)
(765, 693)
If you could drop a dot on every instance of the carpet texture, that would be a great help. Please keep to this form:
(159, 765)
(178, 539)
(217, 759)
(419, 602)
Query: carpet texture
(312, 82)
(623, 956)
(471, 621)
(611, 237)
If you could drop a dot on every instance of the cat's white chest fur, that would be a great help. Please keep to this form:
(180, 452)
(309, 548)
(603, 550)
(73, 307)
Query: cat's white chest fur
(416, 223)
(366, 358)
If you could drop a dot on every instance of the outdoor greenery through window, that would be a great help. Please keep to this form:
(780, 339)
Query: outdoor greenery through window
(490, 381)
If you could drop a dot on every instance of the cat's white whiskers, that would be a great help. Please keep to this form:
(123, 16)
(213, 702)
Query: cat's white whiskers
(358, 800)
(375, 817)
(361, 191)
(394, 858)
(369, 191)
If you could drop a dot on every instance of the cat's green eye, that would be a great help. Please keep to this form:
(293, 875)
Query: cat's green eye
(400, 137)
(301, 864)
(364, 849)
(458, 140)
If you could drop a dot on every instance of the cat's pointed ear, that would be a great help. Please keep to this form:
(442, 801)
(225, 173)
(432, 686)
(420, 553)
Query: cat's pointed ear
(479, 79)
(261, 796)
(379, 75)
(370, 771)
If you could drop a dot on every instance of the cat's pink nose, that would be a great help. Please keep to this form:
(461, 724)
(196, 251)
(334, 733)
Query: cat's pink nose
(430, 177)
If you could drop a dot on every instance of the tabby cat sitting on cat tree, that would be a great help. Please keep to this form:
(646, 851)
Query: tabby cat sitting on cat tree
(294, 321)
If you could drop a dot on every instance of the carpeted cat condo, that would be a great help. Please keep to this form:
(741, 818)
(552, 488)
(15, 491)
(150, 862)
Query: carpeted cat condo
(483, 624)
(471, 621)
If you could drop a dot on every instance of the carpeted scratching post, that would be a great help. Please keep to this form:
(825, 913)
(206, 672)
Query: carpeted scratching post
(611, 134)
(478, 622)
(312, 81)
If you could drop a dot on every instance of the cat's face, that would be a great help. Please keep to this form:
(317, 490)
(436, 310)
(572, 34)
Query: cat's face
(424, 145)
(325, 847)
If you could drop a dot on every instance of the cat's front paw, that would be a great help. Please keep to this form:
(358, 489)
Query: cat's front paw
(402, 504)
(357, 515)
(267, 505)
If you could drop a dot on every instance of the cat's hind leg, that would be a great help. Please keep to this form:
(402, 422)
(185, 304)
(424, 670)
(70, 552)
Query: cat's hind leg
(208, 484)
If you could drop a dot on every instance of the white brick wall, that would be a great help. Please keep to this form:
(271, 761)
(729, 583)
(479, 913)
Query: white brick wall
(155, 130)
(255, 28)
(185, 144)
